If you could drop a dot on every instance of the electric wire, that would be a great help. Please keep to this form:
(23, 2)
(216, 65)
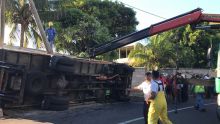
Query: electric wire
(143, 11)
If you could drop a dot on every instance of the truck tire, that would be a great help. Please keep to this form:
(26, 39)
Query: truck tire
(124, 99)
(62, 60)
(36, 83)
(100, 95)
(81, 96)
(45, 104)
(59, 100)
(65, 68)
(58, 107)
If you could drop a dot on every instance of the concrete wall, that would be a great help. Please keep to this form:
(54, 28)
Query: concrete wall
(138, 75)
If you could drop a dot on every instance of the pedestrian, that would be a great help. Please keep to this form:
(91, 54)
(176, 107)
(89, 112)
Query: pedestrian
(168, 88)
(179, 86)
(208, 89)
(146, 88)
(199, 91)
(158, 104)
(51, 33)
(184, 89)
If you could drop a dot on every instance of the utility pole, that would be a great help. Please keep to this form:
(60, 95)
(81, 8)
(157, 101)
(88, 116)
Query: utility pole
(217, 80)
(40, 26)
(2, 25)
(2, 33)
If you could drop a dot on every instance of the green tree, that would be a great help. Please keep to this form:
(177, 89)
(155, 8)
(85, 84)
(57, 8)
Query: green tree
(79, 32)
(113, 16)
(42, 5)
(119, 19)
(182, 46)
(198, 41)
(110, 20)
(138, 56)
(163, 51)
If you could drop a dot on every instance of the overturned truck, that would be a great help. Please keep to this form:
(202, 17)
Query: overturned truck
(31, 77)
(34, 77)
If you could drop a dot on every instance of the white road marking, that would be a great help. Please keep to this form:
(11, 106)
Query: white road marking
(170, 111)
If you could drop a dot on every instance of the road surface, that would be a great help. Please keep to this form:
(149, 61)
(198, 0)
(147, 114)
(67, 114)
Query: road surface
(116, 113)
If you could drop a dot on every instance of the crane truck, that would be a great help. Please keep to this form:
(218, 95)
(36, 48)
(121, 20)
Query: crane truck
(194, 18)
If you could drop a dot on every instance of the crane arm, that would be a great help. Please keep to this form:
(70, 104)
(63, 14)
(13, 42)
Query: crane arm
(193, 17)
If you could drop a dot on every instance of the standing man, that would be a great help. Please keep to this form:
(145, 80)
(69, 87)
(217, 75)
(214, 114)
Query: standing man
(145, 87)
(51, 33)
(158, 104)
(199, 90)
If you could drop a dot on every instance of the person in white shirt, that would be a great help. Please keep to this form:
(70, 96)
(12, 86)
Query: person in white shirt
(146, 88)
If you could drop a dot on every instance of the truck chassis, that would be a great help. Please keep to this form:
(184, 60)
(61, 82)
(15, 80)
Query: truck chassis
(28, 77)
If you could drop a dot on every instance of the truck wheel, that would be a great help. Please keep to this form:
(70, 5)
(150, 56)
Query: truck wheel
(124, 99)
(59, 100)
(45, 104)
(36, 82)
(65, 68)
(81, 96)
(59, 107)
(100, 95)
(63, 60)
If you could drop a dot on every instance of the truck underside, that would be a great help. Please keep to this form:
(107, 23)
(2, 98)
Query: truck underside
(28, 78)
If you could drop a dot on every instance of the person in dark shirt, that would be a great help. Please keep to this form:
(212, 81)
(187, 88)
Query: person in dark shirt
(51, 33)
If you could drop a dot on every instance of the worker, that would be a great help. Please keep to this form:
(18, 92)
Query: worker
(199, 91)
(51, 33)
(145, 87)
(158, 104)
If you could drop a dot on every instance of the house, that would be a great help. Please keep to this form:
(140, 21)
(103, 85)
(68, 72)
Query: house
(123, 53)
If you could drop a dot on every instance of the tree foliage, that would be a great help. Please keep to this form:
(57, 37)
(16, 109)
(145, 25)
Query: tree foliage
(120, 20)
(18, 14)
(79, 32)
(182, 47)
(138, 55)
(42, 5)
(89, 23)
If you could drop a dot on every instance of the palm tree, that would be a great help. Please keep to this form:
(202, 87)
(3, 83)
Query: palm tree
(138, 56)
(21, 15)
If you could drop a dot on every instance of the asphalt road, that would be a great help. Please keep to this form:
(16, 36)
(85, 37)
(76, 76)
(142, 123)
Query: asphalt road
(116, 113)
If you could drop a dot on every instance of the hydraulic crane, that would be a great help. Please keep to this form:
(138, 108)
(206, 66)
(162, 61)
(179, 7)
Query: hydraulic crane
(194, 18)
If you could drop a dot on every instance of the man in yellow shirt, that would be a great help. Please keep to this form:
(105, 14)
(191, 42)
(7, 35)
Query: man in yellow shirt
(199, 90)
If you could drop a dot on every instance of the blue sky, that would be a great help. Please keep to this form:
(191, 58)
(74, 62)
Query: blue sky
(168, 9)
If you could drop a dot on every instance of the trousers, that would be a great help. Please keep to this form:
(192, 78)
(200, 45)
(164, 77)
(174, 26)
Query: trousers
(158, 110)
(145, 111)
(199, 101)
